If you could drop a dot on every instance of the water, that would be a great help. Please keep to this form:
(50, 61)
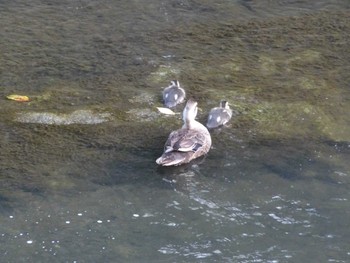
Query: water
(84, 187)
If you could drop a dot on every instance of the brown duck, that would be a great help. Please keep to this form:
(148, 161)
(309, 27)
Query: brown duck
(190, 142)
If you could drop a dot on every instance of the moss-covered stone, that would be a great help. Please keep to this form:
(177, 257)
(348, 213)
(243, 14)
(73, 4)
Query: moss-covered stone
(75, 117)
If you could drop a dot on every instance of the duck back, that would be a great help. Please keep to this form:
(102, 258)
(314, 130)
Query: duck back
(172, 96)
(184, 145)
(218, 117)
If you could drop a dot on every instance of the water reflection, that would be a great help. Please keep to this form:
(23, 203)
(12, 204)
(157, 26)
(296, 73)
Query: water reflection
(275, 186)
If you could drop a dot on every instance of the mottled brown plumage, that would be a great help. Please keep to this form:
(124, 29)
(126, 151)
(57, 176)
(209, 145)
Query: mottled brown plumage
(190, 142)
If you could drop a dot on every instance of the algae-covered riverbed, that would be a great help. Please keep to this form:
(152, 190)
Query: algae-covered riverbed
(78, 176)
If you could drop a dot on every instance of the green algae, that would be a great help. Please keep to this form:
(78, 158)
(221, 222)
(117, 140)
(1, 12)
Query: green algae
(163, 74)
(143, 114)
(303, 58)
(267, 65)
(283, 84)
(145, 98)
(294, 119)
(312, 84)
(234, 65)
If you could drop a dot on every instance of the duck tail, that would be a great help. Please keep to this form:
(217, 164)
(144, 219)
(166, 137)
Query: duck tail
(171, 158)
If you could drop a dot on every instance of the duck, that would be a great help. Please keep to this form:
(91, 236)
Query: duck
(173, 94)
(189, 142)
(219, 116)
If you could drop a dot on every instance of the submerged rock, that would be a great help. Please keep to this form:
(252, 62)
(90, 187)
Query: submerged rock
(143, 114)
(297, 119)
(76, 117)
(145, 98)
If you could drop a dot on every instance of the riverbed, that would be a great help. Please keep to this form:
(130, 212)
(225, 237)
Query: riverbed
(78, 177)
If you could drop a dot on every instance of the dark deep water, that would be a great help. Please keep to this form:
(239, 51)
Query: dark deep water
(78, 179)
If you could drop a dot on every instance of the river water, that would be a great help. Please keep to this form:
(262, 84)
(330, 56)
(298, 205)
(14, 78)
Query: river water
(78, 179)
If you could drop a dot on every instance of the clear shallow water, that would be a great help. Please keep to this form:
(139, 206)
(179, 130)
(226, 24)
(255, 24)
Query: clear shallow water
(275, 186)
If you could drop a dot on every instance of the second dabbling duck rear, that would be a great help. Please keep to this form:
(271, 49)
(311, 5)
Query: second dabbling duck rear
(173, 94)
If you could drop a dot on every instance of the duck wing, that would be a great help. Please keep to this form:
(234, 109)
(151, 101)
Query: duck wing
(184, 140)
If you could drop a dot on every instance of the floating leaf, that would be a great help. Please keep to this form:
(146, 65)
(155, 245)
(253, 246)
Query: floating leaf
(165, 111)
(17, 97)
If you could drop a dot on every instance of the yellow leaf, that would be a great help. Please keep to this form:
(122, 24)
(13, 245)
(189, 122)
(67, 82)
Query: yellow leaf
(17, 97)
